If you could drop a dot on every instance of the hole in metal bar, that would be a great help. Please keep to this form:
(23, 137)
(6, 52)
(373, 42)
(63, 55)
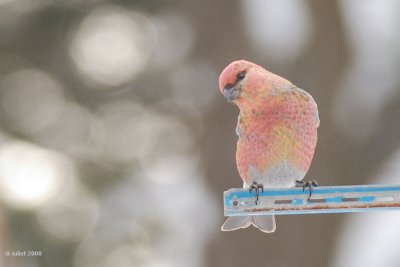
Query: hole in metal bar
(350, 199)
(317, 200)
(235, 203)
(283, 201)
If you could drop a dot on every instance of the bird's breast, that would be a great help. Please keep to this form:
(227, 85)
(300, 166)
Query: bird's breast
(277, 139)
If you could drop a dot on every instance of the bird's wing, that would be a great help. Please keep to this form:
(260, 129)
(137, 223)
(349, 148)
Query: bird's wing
(307, 101)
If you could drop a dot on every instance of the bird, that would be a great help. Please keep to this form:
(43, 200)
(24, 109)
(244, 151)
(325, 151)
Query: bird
(276, 130)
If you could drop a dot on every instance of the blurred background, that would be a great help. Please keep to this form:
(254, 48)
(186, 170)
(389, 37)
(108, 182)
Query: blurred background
(116, 146)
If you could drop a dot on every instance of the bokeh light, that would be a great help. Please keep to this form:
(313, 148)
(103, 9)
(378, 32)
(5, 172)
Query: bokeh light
(31, 100)
(123, 135)
(71, 215)
(171, 157)
(77, 133)
(110, 46)
(30, 175)
(281, 26)
(171, 169)
(173, 39)
(130, 133)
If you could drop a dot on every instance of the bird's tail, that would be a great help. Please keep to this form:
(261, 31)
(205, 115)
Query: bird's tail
(265, 223)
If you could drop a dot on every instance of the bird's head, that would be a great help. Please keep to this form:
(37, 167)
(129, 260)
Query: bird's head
(245, 83)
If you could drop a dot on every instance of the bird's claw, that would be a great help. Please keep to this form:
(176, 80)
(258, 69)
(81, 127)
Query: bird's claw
(256, 186)
(310, 184)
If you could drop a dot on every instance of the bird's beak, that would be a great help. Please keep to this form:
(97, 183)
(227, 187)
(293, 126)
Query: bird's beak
(231, 92)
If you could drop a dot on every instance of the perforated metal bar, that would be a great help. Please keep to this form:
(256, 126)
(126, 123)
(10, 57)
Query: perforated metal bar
(324, 199)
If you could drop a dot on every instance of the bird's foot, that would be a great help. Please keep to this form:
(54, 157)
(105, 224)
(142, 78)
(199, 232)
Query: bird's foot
(256, 186)
(310, 184)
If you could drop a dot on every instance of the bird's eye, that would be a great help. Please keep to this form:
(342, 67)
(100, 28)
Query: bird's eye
(240, 75)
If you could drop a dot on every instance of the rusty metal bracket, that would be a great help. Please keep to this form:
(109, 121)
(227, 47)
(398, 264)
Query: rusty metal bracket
(324, 199)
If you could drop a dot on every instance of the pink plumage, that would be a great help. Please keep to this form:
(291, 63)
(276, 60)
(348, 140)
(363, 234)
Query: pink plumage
(277, 131)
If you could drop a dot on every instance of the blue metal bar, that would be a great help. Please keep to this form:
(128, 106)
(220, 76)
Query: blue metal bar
(324, 199)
